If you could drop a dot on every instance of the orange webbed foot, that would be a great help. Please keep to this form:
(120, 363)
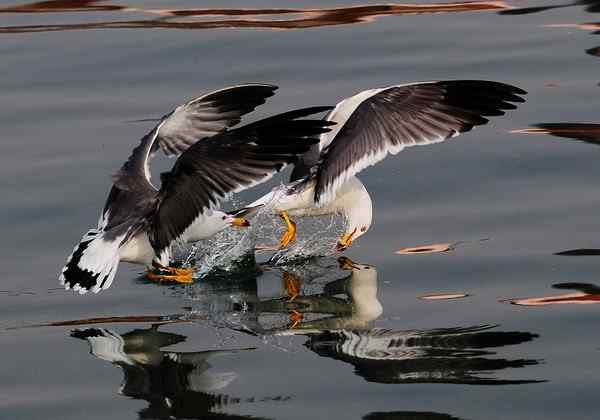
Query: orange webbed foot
(171, 274)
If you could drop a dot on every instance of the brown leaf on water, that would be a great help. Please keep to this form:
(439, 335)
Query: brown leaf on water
(591, 26)
(427, 249)
(444, 296)
(571, 298)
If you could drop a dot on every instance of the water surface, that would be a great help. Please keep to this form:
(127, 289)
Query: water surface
(507, 196)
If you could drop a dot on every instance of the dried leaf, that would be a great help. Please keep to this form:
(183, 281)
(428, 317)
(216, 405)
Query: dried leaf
(444, 296)
(427, 249)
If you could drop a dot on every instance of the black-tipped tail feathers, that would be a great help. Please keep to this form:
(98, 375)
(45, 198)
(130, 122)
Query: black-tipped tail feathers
(93, 263)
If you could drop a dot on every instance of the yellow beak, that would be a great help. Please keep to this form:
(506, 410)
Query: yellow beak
(345, 241)
(240, 221)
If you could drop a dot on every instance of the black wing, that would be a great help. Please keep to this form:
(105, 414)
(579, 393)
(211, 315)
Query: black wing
(199, 118)
(226, 163)
(381, 121)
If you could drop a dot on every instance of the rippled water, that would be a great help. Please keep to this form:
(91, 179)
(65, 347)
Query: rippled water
(360, 345)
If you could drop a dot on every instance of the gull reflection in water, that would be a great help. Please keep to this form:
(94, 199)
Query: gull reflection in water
(333, 304)
(337, 320)
(175, 384)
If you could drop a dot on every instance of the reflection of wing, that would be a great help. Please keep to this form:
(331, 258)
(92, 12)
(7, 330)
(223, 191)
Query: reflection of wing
(408, 415)
(528, 10)
(588, 288)
(588, 133)
(593, 51)
(376, 122)
(442, 355)
(198, 379)
(104, 344)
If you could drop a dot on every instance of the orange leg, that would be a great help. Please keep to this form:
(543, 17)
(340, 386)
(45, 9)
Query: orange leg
(290, 235)
(295, 318)
(292, 285)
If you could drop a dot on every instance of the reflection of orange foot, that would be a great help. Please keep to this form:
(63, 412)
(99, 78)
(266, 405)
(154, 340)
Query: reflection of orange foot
(290, 235)
(295, 318)
(292, 285)
(171, 274)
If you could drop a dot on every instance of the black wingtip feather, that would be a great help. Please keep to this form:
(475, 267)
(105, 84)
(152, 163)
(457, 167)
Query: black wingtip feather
(291, 116)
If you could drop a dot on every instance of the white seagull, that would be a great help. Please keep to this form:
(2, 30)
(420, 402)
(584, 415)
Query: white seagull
(369, 125)
(140, 223)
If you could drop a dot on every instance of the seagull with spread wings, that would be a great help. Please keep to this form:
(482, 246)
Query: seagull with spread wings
(140, 223)
(369, 126)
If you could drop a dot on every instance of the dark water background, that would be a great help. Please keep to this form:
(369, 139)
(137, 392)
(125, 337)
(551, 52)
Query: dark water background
(72, 74)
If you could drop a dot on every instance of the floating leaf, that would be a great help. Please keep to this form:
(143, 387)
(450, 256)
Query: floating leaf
(427, 249)
(444, 296)
(587, 293)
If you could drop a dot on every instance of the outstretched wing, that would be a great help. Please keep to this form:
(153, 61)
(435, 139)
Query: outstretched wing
(376, 122)
(226, 163)
(199, 118)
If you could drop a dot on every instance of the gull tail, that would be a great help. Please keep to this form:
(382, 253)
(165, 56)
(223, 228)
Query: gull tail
(93, 263)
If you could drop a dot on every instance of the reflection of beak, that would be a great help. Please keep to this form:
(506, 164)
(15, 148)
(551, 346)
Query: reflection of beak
(345, 241)
(240, 221)
(347, 264)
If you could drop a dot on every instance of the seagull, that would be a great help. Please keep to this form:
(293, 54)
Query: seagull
(140, 222)
(369, 126)
(361, 309)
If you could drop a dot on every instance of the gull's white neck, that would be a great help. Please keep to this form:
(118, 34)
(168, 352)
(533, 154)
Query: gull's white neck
(354, 202)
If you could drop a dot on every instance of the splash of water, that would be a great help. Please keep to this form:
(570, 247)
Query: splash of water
(232, 250)
(317, 236)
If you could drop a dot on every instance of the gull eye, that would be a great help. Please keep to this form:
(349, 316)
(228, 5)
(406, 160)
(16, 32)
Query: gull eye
(224, 217)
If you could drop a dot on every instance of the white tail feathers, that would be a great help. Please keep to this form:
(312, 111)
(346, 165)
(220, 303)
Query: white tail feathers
(93, 263)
